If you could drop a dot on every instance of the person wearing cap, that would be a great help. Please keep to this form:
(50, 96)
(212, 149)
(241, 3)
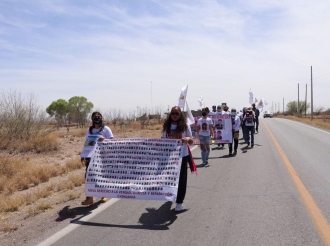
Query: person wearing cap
(219, 110)
(249, 120)
(104, 132)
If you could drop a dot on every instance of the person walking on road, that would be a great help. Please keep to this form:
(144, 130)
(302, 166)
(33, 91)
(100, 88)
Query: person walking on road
(249, 120)
(256, 113)
(175, 126)
(205, 132)
(244, 128)
(219, 112)
(103, 132)
(236, 122)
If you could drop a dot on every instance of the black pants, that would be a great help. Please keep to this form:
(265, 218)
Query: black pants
(182, 181)
(235, 144)
(257, 123)
(250, 129)
(87, 161)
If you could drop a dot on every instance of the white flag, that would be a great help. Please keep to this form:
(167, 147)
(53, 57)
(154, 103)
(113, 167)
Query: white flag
(251, 97)
(190, 117)
(201, 102)
(256, 100)
(260, 104)
(182, 98)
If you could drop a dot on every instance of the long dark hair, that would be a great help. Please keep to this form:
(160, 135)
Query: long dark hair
(93, 124)
(181, 123)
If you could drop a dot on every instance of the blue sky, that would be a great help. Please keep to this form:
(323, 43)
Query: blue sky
(129, 54)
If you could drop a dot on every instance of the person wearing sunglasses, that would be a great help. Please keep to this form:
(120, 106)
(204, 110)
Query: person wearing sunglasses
(103, 132)
(175, 126)
(205, 132)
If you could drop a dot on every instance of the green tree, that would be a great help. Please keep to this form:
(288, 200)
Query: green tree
(59, 109)
(292, 107)
(79, 108)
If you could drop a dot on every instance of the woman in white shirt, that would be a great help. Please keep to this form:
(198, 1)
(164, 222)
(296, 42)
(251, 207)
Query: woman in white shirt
(103, 132)
(175, 126)
(205, 132)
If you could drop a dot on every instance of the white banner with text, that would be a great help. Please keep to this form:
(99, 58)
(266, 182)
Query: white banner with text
(135, 168)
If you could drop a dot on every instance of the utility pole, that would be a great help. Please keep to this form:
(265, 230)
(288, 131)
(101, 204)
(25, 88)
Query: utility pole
(151, 98)
(278, 108)
(272, 107)
(298, 101)
(275, 109)
(283, 105)
(306, 101)
(311, 93)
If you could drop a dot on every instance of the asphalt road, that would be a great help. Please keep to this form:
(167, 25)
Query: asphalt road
(254, 198)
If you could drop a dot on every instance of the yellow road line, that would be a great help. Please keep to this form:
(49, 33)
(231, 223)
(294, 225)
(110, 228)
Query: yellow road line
(318, 218)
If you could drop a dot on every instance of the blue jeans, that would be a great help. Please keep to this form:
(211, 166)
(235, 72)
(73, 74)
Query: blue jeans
(205, 140)
(245, 133)
(257, 123)
(250, 129)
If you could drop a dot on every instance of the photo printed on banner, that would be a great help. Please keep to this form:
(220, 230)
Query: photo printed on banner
(222, 128)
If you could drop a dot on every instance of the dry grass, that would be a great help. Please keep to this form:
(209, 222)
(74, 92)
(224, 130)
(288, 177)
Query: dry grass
(8, 227)
(20, 175)
(73, 164)
(13, 202)
(317, 121)
(39, 209)
(41, 144)
(72, 195)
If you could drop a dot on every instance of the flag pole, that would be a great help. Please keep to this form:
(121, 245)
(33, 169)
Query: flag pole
(185, 99)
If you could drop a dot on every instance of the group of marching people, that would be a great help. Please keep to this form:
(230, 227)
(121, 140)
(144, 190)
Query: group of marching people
(175, 126)
(248, 120)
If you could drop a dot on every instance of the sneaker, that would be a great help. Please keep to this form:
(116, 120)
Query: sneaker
(235, 152)
(88, 201)
(252, 146)
(179, 207)
(104, 199)
(206, 162)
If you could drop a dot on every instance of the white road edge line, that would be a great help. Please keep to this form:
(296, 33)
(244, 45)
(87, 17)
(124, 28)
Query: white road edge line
(309, 126)
(66, 230)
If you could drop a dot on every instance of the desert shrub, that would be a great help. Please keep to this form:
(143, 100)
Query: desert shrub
(21, 120)
(40, 144)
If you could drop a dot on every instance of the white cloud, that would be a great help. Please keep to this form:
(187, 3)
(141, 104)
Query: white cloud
(109, 53)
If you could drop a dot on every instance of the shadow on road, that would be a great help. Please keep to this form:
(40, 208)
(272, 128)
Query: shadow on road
(82, 211)
(154, 219)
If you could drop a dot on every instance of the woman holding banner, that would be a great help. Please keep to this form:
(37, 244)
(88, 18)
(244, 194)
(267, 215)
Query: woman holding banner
(100, 132)
(175, 126)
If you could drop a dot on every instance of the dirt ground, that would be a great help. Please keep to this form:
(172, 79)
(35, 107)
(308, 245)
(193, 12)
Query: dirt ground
(65, 206)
